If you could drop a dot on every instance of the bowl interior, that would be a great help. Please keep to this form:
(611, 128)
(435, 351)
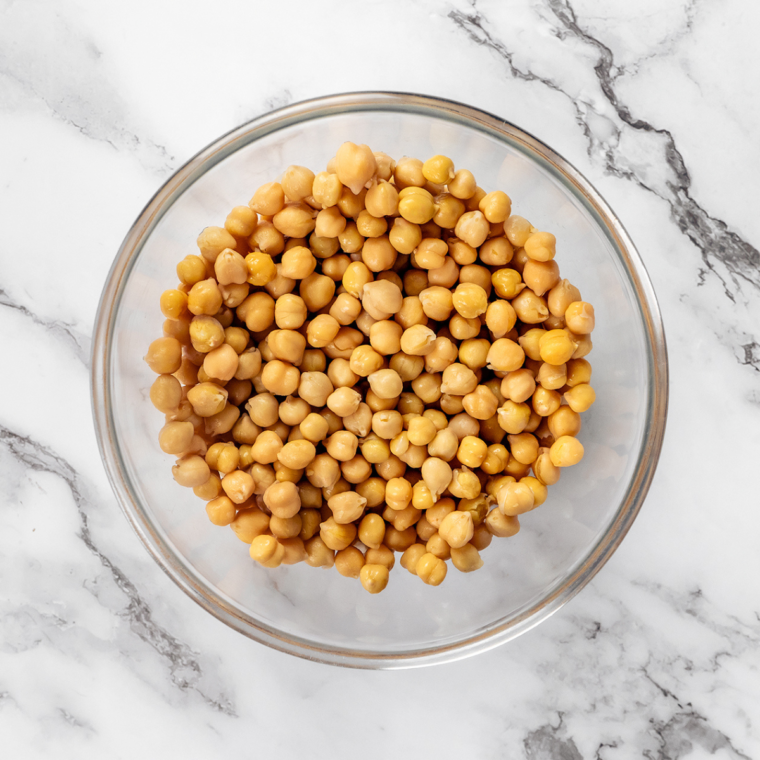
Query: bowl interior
(321, 611)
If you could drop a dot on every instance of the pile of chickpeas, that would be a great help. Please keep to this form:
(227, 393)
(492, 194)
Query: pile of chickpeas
(373, 359)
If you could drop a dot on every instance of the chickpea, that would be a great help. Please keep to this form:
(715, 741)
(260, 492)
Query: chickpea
(472, 228)
(166, 393)
(268, 199)
(342, 445)
(580, 398)
(355, 165)
(529, 307)
(315, 388)
(297, 455)
(374, 578)
(381, 299)
(207, 399)
(421, 431)
(318, 554)
(470, 300)
(515, 499)
(463, 184)
(481, 403)
(191, 471)
(416, 205)
(192, 269)
(501, 525)
(457, 529)
(446, 275)
(317, 291)
(523, 447)
(386, 383)
(349, 562)
(430, 569)
(337, 536)
(221, 363)
(507, 283)
(505, 355)
(213, 240)
(164, 356)
(495, 206)
(344, 401)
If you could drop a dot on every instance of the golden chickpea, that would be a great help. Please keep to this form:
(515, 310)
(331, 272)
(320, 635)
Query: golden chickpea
(297, 454)
(326, 189)
(371, 227)
(541, 276)
(164, 356)
(463, 184)
(578, 372)
(540, 246)
(446, 275)
(556, 347)
(318, 554)
(507, 283)
(404, 235)
(566, 451)
(579, 317)
(515, 499)
(192, 269)
(457, 529)
(173, 304)
(561, 296)
(322, 330)
(314, 388)
(416, 205)
(221, 363)
(314, 427)
(552, 376)
(472, 451)
(481, 403)
(350, 240)
(337, 536)
(462, 328)
(580, 398)
(166, 393)
(221, 510)
(221, 422)
(472, 228)
(495, 206)
(267, 551)
(500, 318)
(175, 437)
(444, 445)
(496, 459)
(411, 556)
(430, 569)
(417, 340)
(342, 445)
(470, 300)
(317, 291)
(381, 299)
(523, 447)
(349, 562)
(466, 558)
(374, 578)
(449, 209)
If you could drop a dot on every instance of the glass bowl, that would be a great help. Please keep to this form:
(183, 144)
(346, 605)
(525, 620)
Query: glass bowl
(321, 615)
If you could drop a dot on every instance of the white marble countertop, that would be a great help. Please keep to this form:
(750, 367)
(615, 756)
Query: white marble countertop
(102, 656)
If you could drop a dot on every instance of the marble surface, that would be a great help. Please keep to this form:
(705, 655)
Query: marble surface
(102, 656)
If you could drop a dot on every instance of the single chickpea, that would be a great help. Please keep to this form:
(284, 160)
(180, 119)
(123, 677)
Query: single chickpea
(417, 340)
(446, 275)
(317, 291)
(430, 569)
(438, 169)
(191, 471)
(411, 556)
(444, 446)
(263, 409)
(355, 165)
(364, 361)
(318, 554)
(500, 318)
(404, 235)
(496, 459)
(457, 529)
(515, 499)
(501, 525)
(437, 474)
(431, 253)
(421, 431)
(221, 363)
(164, 356)
(213, 240)
(344, 401)
(175, 437)
(349, 562)
(267, 238)
(580, 398)
(462, 328)
(387, 424)
(579, 317)
(374, 578)
(173, 304)
(505, 356)
(326, 189)
(268, 199)
(381, 299)
(464, 484)
(523, 447)
(427, 387)
(566, 451)
(462, 185)
(206, 333)
(416, 205)
(166, 393)
(461, 253)
(472, 451)
(513, 417)
(507, 283)
(297, 455)
(322, 330)
(314, 388)
(192, 269)
(337, 536)
(495, 206)
(530, 308)
(267, 551)
(207, 399)
(386, 383)
(221, 510)
(561, 296)
(466, 558)
(266, 447)
(556, 347)
(470, 300)
(342, 445)
(472, 228)
(541, 276)
(371, 227)
(540, 246)
(578, 372)
(411, 313)
(481, 403)
(552, 376)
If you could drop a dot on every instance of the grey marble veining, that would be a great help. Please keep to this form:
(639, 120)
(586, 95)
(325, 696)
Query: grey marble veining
(102, 656)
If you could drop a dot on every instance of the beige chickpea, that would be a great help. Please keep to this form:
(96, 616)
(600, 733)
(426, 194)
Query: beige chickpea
(364, 361)
(427, 387)
(421, 431)
(386, 383)
(207, 399)
(580, 398)
(344, 401)
(457, 529)
(417, 340)
(372, 531)
(378, 253)
(411, 313)
(431, 253)
(221, 422)
(461, 253)
(355, 165)
(221, 363)
(501, 525)
(443, 355)
(267, 238)
(382, 200)
(314, 388)
(579, 317)
(462, 185)
(266, 447)
(342, 445)
(387, 424)
(350, 240)
(466, 558)
(444, 445)
(175, 437)
(462, 328)
(561, 296)
(552, 376)
(318, 554)
(191, 471)
(297, 455)
(481, 403)
(505, 356)
(263, 409)
(310, 519)
(297, 182)
(238, 485)
(465, 484)
(314, 427)
(268, 199)
(381, 299)
(349, 562)
(437, 303)
(192, 268)
(518, 386)
(282, 499)
(164, 356)
(515, 499)
(337, 536)
(541, 276)
(213, 240)
(529, 307)
(437, 475)
(457, 379)
(347, 507)
(323, 472)
(317, 291)
(445, 276)
(404, 235)
(326, 189)
(473, 228)
(371, 227)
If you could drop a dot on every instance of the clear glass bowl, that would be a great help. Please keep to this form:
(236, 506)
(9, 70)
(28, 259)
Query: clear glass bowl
(321, 615)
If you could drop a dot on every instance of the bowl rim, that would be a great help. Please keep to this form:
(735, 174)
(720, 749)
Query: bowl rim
(303, 111)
